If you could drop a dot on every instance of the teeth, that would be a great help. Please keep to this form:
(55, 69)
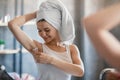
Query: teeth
(2, 67)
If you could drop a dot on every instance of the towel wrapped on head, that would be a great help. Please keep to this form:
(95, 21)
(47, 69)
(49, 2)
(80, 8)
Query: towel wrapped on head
(56, 14)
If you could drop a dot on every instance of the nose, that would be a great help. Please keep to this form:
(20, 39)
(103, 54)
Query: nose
(43, 34)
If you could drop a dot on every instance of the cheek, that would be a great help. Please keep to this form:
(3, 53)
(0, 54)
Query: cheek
(53, 34)
(39, 34)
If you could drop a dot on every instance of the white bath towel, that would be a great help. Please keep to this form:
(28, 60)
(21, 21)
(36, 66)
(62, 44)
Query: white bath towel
(55, 13)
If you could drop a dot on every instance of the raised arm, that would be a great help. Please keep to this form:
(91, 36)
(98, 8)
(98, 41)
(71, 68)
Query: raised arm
(15, 24)
(97, 26)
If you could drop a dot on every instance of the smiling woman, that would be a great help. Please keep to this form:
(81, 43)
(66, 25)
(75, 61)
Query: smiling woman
(55, 26)
(46, 31)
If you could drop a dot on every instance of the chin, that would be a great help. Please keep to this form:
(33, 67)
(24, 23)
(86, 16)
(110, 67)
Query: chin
(47, 41)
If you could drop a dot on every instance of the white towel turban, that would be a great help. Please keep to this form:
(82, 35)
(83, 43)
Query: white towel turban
(55, 13)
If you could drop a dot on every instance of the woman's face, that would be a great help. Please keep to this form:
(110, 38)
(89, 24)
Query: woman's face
(47, 32)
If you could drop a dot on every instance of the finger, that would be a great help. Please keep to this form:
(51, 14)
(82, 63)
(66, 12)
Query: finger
(35, 49)
(37, 58)
(36, 55)
(36, 52)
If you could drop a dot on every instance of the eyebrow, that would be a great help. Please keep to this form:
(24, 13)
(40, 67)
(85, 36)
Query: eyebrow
(44, 28)
(37, 28)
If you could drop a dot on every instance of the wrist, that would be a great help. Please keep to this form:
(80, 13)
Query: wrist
(51, 60)
(34, 14)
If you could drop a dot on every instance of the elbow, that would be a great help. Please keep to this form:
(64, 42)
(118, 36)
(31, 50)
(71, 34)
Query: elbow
(10, 24)
(13, 22)
(90, 25)
(80, 72)
(87, 24)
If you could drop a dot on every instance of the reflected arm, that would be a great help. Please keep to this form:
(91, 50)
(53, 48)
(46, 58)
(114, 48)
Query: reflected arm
(98, 27)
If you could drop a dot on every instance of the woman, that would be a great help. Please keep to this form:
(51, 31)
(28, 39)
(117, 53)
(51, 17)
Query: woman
(98, 27)
(57, 58)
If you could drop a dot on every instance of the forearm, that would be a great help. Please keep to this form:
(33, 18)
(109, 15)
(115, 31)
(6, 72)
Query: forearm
(106, 18)
(74, 69)
(107, 46)
(20, 20)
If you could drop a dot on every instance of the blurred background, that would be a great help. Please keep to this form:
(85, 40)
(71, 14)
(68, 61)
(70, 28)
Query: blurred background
(17, 59)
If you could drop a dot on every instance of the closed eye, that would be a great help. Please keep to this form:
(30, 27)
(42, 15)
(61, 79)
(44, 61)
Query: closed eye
(47, 30)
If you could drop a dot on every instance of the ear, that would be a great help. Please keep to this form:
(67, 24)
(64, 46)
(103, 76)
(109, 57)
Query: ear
(39, 45)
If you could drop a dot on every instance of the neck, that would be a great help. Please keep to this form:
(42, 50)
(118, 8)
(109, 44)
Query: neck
(56, 44)
(53, 43)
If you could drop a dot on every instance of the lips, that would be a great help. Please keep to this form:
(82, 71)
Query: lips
(45, 39)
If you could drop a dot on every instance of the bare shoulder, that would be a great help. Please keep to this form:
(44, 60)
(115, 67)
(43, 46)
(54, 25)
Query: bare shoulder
(73, 48)
(75, 54)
